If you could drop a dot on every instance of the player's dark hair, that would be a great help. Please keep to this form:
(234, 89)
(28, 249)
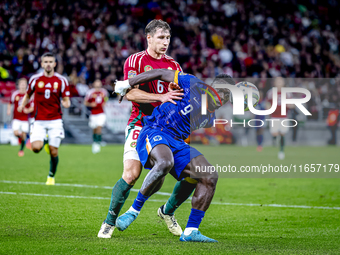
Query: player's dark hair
(224, 78)
(21, 79)
(155, 24)
(48, 54)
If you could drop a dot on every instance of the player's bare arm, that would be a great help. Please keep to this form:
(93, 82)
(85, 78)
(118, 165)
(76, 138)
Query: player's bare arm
(25, 101)
(88, 104)
(140, 96)
(9, 108)
(28, 110)
(166, 75)
(158, 74)
(66, 103)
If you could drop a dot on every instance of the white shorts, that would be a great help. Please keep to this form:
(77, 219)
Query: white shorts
(53, 128)
(97, 120)
(277, 128)
(131, 136)
(20, 125)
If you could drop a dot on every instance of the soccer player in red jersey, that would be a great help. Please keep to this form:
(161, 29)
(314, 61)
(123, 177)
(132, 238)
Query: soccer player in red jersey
(276, 128)
(48, 87)
(96, 98)
(20, 124)
(144, 99)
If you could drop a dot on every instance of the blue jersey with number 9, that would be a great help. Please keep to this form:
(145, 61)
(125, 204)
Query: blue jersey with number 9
(181, 119)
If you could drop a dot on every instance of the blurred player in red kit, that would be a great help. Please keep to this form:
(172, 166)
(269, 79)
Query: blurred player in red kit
(276, 128)
(144, 99)
(20, 123)
(96, 98)
(48, 87)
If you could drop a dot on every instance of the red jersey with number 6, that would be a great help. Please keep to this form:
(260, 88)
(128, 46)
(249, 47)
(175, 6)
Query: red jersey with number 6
(142, 62)
(48, 91)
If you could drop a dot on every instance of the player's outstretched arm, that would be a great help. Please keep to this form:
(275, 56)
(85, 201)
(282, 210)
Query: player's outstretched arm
(66, 103)
(156, 74)
(140, 96)
(88, 104)
(28, 110)
(9, 108)
(121, 87)
(24, 102)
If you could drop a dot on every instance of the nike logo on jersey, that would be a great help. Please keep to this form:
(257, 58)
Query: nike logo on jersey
(48, 85)
(196, 100)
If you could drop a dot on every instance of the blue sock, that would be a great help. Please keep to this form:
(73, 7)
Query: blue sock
(195, 218)
(139, 201)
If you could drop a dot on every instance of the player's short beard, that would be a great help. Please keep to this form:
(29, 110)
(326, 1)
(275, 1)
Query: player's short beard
(48, 71)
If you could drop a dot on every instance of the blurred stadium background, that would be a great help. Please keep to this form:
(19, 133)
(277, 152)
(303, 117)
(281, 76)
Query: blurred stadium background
(92, 39)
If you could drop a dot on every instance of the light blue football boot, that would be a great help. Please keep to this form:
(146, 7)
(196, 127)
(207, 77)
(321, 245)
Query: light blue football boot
(125, 220)
(196, 236)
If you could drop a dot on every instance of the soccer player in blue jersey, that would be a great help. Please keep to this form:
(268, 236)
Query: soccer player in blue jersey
(162, 149)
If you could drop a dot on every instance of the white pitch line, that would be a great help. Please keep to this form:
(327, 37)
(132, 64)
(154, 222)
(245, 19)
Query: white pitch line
(8, 193)
(152, 200)
(66, 196)
(76, 185)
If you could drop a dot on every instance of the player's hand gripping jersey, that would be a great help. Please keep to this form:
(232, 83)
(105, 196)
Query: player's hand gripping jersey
(181, 119)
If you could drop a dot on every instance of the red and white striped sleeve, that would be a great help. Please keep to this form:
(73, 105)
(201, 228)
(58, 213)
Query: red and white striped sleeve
(65, 88)
(14, 94)
(88, 94)
(31, 83)
(132, 64)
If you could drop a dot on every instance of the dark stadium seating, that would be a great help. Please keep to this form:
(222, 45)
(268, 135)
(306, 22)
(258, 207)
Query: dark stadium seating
(244, 38)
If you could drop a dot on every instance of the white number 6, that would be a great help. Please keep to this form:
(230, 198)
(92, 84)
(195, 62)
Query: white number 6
(160, 87)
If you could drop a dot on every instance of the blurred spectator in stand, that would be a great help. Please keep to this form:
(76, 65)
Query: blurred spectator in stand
(4, 74)
(333, 119)
(241, 38)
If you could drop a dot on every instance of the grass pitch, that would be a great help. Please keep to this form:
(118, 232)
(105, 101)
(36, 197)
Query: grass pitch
(61, 219)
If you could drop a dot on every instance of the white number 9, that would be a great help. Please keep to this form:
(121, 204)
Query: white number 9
(187, 109)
